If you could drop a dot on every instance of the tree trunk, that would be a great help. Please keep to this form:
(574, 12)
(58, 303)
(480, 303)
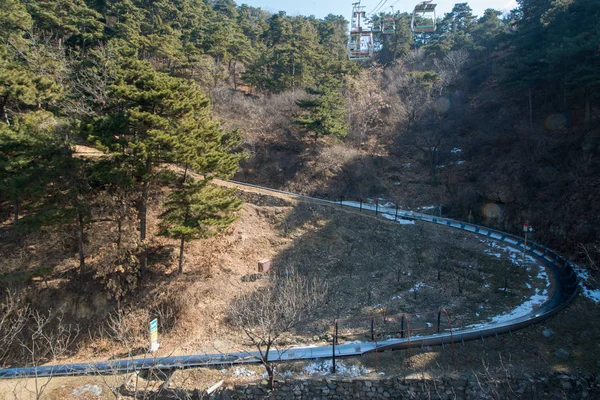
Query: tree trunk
(433, 154)
(181, 246)
(565, 95)
(142, 215)
(234, 75)
(588, 115)
(530, 111)
(5, 112)
(16, 210)
(271, 374)
(79, 233)
(119, 233)
(185, 174)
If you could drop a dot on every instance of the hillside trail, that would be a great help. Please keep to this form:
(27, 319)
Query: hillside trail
(90, 152)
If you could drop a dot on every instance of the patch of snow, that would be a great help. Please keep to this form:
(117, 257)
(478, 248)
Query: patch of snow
(81, 390)
(540, 295)
(241, 371)
(400, 220)
(456, 150)
(284, 374)
(397, 183)
(521, 310)
(396, 297)
(459, 162)
(584, 284)
(538, 298)
(324, 368)
(303, 346)
(514, 255)
(424, 208)
(497, 255)
(375, 307)
(593, 294)
(418, 286)
(429, 324)
(407, 165)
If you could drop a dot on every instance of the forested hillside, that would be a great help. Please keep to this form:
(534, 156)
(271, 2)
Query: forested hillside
(496, 118)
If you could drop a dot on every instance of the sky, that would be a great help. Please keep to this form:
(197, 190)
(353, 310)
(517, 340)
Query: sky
(320, 8)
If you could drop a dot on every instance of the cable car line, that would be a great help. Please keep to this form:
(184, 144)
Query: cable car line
(376, 7)
(365, 39)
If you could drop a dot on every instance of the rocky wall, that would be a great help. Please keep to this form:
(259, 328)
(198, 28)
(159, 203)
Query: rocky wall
(555, 386)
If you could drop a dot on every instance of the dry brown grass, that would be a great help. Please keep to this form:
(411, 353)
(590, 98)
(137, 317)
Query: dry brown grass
(370, 261)
(357, 254)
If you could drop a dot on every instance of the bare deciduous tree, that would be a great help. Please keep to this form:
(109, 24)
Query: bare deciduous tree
(266, 314)
(45, 337)
(450, 68)
(13, 319)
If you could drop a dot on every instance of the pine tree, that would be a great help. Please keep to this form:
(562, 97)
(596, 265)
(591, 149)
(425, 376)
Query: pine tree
(325, 113)
(197, 210)
(14, 20)
(164, 119)
(25, 152)
(17, 86)
(398, 44)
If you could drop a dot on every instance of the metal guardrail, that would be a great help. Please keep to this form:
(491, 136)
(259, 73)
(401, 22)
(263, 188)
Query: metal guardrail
(565, 280)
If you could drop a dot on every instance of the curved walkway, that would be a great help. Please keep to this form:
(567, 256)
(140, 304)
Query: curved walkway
(563, 275)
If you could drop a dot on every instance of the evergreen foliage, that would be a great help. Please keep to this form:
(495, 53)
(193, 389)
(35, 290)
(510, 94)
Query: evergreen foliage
(326, 112)
(135, 77)
(197, 210)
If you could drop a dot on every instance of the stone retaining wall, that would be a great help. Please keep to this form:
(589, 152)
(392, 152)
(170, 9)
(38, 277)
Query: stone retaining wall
(555, 386)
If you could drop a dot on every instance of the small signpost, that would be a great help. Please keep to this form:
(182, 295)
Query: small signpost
(154, 336)
(526, 230)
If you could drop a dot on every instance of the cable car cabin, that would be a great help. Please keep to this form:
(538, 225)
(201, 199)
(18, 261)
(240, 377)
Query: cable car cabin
(423, 18)
(389, 25)
(360, 46)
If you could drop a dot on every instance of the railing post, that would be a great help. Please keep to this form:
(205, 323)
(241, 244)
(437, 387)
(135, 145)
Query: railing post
(360, 209)
(402, 327)
(372, 328)
(341, 201)
(439, 319)
(396, 217)
(376, 206)
(333, 347)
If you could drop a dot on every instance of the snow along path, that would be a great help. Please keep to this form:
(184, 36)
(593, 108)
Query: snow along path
(584, 283)
(563, 275)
